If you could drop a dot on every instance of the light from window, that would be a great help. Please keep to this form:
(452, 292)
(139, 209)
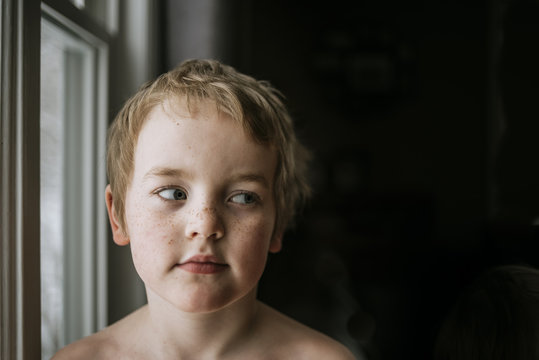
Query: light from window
(71, 188)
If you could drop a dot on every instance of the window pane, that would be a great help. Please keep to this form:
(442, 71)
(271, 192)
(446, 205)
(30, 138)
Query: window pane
(52, 140)
(68, 187)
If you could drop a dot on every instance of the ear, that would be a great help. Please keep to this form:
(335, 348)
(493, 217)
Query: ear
(119, 236)
(276, 243)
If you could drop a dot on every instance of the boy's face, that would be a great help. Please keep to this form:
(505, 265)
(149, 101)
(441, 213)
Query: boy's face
(199, 211)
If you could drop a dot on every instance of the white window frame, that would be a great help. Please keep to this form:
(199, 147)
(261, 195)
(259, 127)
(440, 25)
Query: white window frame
(85, 282)
(20, 293)
(20, 20)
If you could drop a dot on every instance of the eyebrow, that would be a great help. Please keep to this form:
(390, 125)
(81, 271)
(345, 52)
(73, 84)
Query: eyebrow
(251, 178)
(173, 172)
(165, 172)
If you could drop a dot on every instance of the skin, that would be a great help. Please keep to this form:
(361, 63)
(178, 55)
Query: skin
(225, 208)
(200, 186)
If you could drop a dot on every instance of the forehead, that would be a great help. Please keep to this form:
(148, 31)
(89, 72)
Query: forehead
(199, 138)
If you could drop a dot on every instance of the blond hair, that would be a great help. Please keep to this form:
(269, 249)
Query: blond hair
(256, 105)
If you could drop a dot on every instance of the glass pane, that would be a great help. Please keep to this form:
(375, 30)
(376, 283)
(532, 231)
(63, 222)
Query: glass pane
(68, 80)
(52, 136)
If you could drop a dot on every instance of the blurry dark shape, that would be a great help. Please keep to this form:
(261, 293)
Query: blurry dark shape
(361, 60)
(516, 201)
(518, 172)
(210, 29)
(496, 318)
(349, 170)
(371, 73)
(361, 327)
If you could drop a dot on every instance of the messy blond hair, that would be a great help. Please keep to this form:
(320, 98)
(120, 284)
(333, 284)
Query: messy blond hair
(256, 105)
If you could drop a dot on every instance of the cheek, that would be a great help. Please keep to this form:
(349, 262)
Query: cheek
(151, 236)
(253, 248)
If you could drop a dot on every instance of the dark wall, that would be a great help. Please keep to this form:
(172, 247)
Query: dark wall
(421, 120)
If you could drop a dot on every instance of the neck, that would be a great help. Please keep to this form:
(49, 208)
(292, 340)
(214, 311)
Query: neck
(178, 334)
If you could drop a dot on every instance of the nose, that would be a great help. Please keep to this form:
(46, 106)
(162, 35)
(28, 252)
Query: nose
(204, 223)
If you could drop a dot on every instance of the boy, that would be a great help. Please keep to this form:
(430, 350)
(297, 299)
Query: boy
(205, 173)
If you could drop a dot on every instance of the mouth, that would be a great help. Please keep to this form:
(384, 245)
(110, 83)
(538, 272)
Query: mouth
(202, 264)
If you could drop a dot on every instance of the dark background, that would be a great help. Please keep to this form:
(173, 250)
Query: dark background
(422, 120)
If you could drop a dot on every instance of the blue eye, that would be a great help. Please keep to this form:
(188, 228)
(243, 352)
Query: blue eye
(244, 198)
(173, 194)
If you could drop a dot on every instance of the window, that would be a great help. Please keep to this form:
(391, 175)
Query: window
(64, 146)
(73, 232)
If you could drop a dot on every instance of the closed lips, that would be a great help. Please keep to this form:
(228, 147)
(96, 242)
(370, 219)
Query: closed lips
(202, 264)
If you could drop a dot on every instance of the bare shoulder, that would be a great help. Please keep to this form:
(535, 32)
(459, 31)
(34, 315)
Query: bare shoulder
(293, 340)
(105, 344)
(95, 346)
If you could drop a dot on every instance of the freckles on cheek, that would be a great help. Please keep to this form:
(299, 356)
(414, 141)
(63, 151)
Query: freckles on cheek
(145, 220)
(155, 234)
(152, 249)
(151, 233)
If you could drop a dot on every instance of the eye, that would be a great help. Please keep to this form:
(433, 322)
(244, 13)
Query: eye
(173, 194)
(244, 198)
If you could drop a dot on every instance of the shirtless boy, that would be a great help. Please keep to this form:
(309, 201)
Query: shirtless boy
(205, 173)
